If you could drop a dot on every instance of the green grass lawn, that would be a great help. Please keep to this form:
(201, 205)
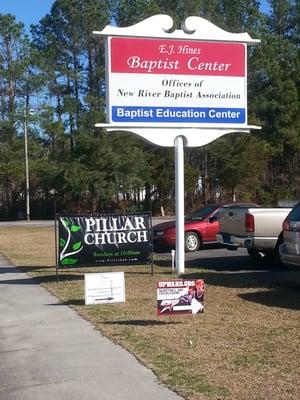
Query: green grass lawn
(245, 345)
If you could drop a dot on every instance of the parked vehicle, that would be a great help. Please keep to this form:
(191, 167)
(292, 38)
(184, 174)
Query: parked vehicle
(290, 249)
(257, 229)
(200, 226)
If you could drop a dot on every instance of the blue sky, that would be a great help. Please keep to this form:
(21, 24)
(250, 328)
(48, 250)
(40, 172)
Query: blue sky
(31, 11)
(27, 11)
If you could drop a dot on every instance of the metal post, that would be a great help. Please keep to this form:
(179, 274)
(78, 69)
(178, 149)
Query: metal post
(179, 200)
(56, 249)
(173, 260)
(26, 168)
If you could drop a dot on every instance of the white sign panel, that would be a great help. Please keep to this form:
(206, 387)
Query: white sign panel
(103, 288)
(160, 82)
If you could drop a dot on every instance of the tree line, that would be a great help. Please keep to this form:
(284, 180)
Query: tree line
(54, 81)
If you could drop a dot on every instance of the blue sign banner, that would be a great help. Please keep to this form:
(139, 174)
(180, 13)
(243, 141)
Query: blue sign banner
(178, 115)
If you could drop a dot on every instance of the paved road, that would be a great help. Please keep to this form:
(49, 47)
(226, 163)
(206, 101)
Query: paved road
(155, 220)
(214, 256)
(26, 223)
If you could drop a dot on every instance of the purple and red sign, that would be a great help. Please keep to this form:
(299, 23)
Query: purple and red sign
(180, 297)
(160, 82)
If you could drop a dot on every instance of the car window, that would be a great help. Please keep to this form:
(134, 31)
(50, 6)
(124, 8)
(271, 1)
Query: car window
(295, 213)
(200, 214)
(216, 215)
(243, 205)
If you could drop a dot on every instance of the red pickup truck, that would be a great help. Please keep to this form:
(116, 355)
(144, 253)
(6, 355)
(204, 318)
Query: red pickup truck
(201, 227)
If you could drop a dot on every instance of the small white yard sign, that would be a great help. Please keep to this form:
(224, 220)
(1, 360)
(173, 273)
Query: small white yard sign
(108, 287)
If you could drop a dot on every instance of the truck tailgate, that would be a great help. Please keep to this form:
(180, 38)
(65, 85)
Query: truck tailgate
(267, 221)
(232, 220)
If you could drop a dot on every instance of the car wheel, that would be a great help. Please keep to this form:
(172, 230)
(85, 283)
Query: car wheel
(261, 258)
(278, 262)
(192, 242)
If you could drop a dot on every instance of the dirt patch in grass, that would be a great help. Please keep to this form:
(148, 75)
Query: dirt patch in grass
(245, 345)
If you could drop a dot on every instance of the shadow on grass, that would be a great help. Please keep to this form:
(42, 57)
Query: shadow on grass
(70, 302)
(33, 268)
(283, 297)
(141, 322)
(248, 278)
(9, 270)
(63, 275)
(282, 287)
(36, 280)
(229, 263)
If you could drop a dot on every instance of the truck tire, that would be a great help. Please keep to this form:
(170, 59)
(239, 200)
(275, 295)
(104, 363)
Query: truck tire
(260, 258)
(192, 242)
(270, 259)
(277, 255)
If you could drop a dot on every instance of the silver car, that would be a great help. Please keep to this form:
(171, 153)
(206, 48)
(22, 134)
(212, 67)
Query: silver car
(290, 249)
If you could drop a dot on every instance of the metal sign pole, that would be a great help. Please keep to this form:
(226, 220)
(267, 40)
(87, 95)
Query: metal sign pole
(179, 200)
(27, 194)
(56, 247)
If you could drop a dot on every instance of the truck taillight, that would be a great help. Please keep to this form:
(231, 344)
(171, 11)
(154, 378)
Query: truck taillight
(286, 225)
(249, 222)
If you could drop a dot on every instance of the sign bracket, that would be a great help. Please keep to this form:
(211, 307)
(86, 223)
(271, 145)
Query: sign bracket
(165, 136)
(161, 26)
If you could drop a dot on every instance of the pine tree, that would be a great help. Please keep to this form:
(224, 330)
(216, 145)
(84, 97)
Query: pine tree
(14, 92)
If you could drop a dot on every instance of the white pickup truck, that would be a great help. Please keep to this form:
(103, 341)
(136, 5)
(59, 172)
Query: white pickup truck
(259, 230)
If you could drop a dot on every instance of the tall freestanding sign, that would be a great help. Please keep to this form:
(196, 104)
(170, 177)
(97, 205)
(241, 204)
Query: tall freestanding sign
(176, 88)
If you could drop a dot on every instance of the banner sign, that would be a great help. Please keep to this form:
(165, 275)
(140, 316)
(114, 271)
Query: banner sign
(104, 288)
(157, 81)
(180, 297)
(93, 240)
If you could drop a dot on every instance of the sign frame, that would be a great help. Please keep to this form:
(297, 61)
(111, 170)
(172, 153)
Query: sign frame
(93, 240)
(193, 29)
(189, 83)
